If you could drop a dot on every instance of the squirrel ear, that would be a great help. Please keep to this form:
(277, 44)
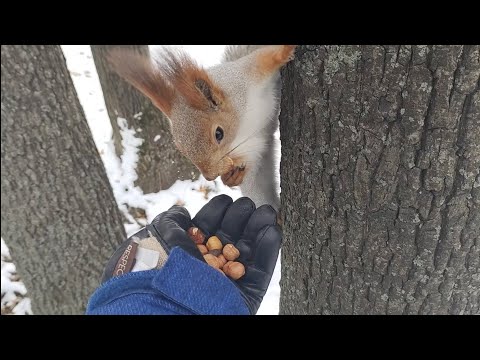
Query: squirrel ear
(271, 58)
(191, 81)
(139, 71)
(209, 94)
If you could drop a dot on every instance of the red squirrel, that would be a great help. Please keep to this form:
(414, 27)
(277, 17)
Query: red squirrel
(222, 118)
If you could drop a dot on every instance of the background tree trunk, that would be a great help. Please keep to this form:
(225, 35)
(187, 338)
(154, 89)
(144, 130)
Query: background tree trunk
(160, 163)
(383, 144)
(59, 216)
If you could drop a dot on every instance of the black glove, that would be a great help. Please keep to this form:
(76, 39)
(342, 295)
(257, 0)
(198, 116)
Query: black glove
(254, 232)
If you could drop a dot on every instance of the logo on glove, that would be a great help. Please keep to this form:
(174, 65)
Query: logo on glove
(127, 260)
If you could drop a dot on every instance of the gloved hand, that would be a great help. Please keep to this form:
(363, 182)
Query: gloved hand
(254, 232)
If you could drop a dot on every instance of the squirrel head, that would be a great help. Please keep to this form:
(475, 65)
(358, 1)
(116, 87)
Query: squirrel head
(216, 115)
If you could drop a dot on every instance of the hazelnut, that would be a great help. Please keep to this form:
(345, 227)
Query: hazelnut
(215, 252)
(234, 269)
(222, 260)
(230, 252)
(212, 261)
(226, 266)
(203, 249)
(196, 235)
(214, 243)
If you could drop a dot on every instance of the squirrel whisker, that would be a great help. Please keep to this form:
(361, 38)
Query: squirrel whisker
(242, 142)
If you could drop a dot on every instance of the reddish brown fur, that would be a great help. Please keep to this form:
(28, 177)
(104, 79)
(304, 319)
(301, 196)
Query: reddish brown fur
(206, 154)
(177, 73)
(184, 73)
(272, 58)
(140, 72)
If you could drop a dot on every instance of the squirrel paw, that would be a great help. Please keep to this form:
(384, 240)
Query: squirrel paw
(290, 51)
(280, 219)
(235, 176)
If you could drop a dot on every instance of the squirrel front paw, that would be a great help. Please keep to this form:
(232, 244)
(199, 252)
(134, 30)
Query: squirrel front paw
(235, 176)
(280, 217)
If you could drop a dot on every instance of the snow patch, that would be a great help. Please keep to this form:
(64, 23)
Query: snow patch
(13, 290)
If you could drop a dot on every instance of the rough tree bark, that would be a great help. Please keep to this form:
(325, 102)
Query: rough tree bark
(160, 163)
(383, 144)
(59, 216)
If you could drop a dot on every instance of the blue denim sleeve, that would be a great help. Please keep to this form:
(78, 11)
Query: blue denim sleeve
(184, 286)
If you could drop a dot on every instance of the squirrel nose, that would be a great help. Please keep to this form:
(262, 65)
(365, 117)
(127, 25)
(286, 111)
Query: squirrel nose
(207, 173)
(209, 178)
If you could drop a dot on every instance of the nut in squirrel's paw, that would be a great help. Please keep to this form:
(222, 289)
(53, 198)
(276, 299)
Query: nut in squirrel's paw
(235, 175)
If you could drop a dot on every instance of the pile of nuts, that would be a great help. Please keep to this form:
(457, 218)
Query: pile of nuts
(218, 256)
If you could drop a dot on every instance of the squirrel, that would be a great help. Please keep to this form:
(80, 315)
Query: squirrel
(222, 118)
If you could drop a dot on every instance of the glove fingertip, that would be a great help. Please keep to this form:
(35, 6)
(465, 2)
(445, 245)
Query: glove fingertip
(222, 198)
(272, 236)
(176, 215)
(268, 245)
(210, 216)
(179, 210)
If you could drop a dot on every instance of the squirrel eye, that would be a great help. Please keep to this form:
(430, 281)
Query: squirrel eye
(219, 134)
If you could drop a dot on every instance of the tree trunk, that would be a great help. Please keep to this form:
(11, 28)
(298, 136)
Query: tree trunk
(380, 180)
(160, 163)
(59, 216)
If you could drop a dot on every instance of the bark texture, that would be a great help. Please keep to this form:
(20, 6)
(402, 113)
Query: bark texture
(59, 216)
(160, 164)
(383, 145)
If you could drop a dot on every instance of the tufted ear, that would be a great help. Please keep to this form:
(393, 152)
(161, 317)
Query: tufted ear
(139, 71)
(270, 59)
(191, 80)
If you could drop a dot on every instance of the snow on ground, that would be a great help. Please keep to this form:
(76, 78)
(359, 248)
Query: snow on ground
(121, 172)
(13, 290)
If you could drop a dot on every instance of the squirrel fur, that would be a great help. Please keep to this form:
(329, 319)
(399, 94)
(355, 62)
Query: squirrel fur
(222, 118)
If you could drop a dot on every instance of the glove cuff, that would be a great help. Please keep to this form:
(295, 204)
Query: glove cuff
(149, 254)
(140, 252)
